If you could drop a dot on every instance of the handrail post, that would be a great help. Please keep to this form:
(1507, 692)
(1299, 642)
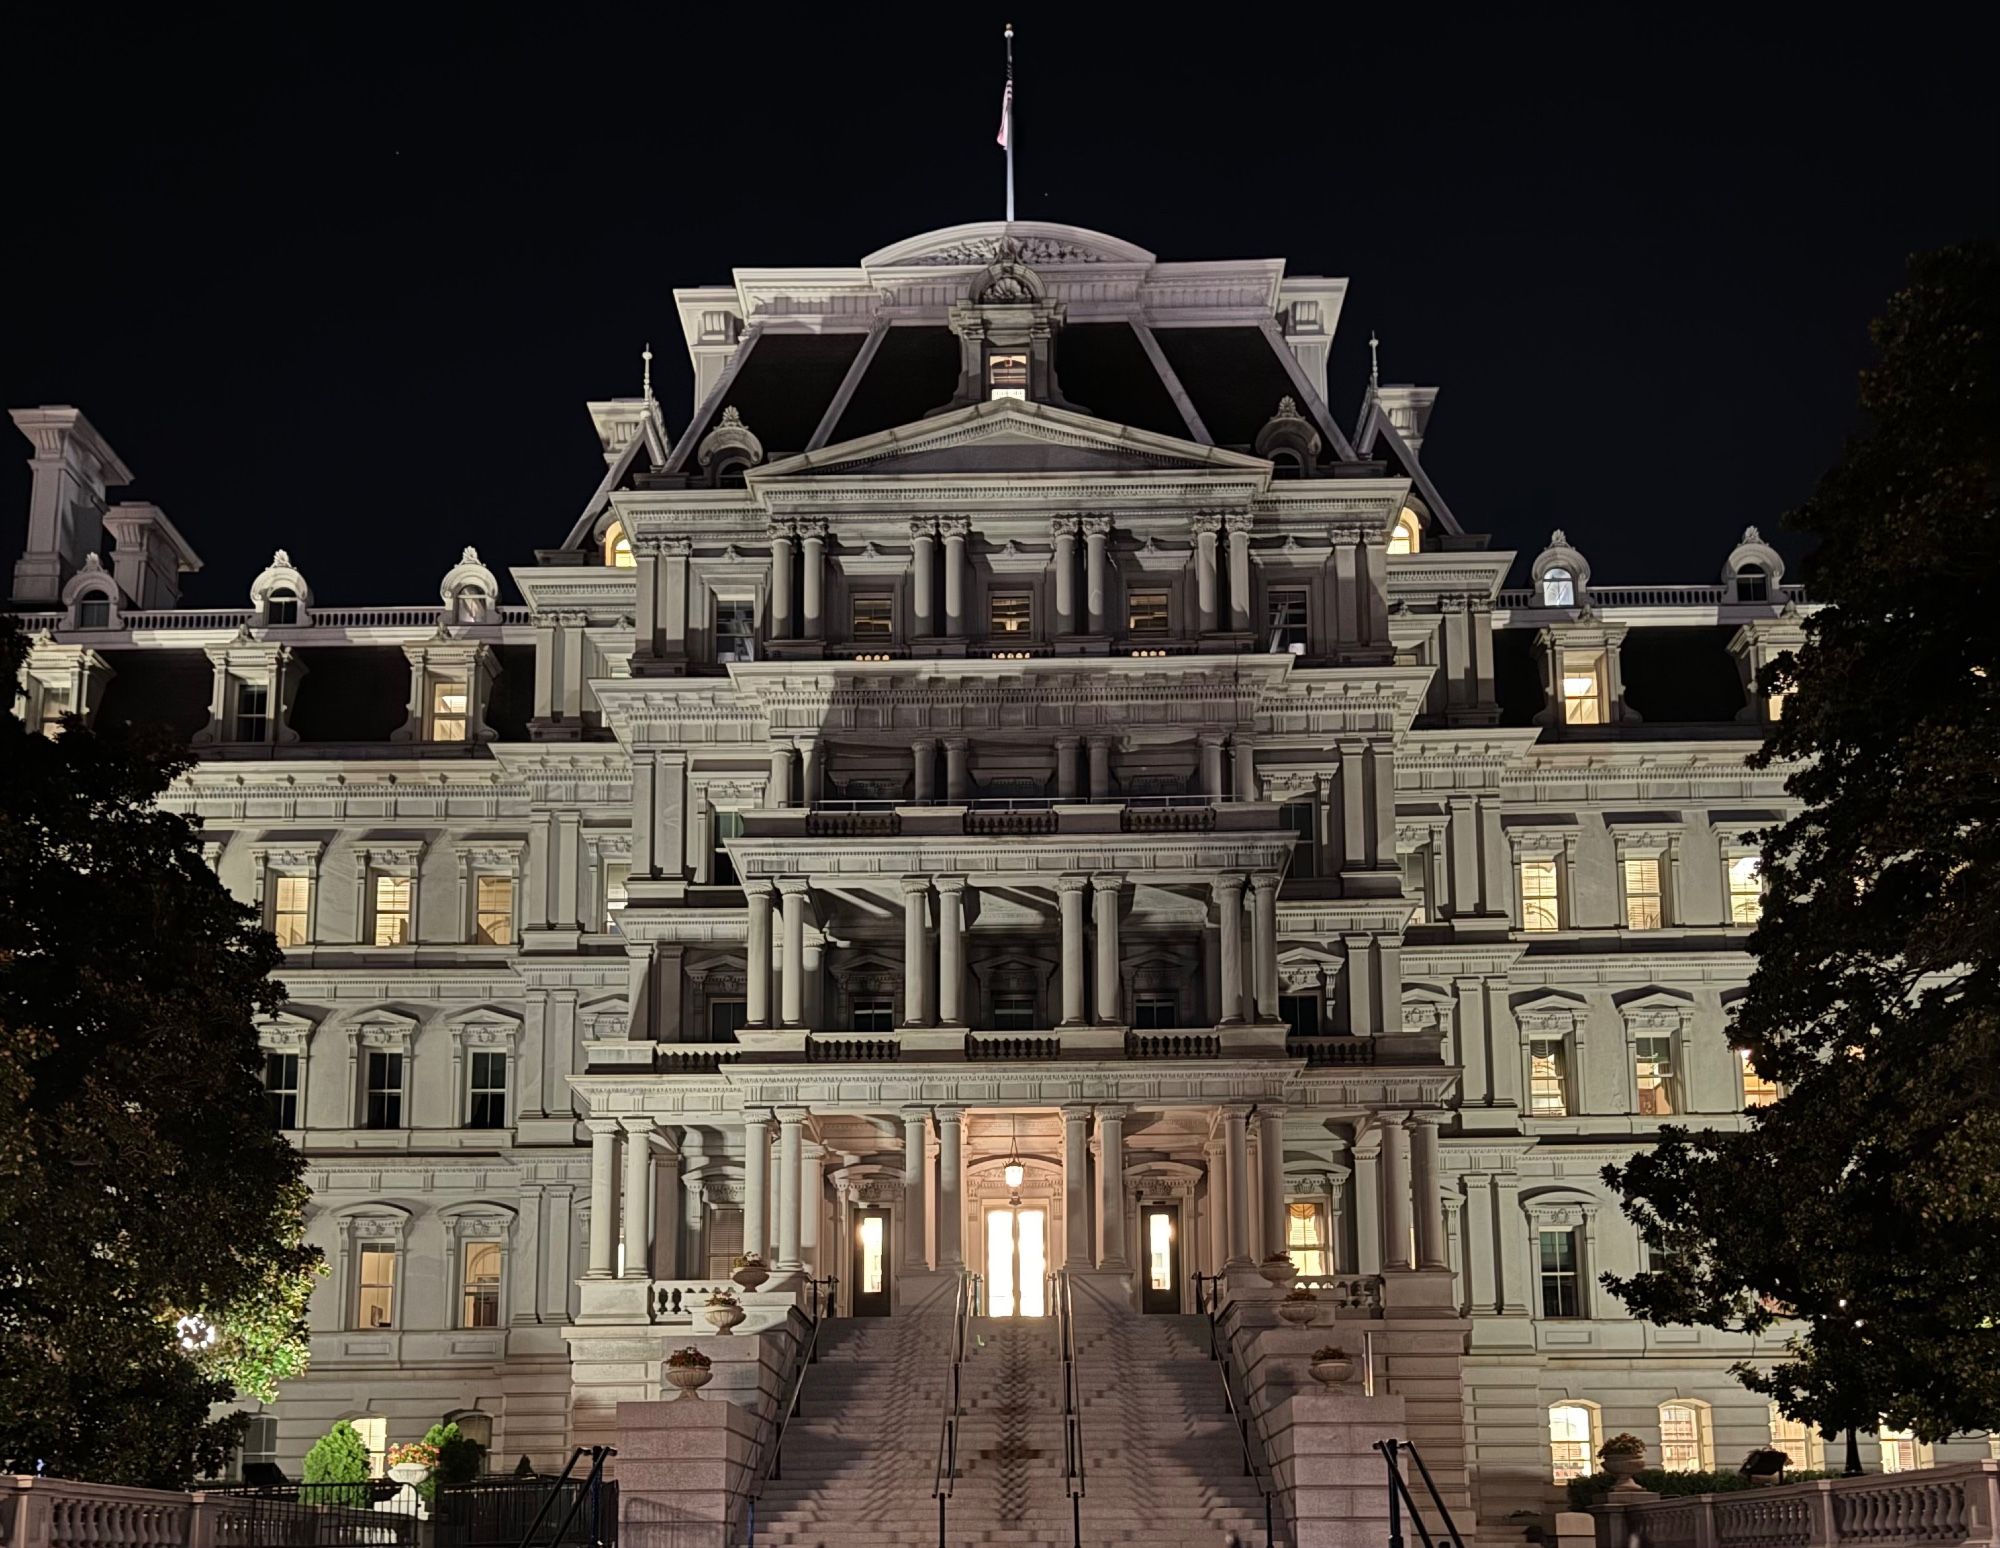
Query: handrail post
(1388, 1450)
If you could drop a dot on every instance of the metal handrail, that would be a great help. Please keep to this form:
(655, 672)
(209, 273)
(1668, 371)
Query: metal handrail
(1064, 1301)
(1237, 1412)
(592, 1490)
(1400, 1497)
(947, 1459)
(773, 1463)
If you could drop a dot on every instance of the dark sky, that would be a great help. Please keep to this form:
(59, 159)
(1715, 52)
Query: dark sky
(344, 284)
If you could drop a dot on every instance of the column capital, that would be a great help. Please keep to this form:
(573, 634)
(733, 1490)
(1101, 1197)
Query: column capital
(783, 529)
(947, 1114)
(812, 529)
(1068, 740)
(1237, 521)
(791, 1116)
(1233, 1110)
(956, 743)
(792, 886)
(1426, 1118)
(1062, 527)
(1225, 881)
(756, 887)
(1390, 1118)
(603, 1125)
(916, 886)
(915, 1112)
(1113, 1112)
(923, 527)
(923, 741)
(1264, 881)
(1214, 1147)
(950, 884)
(1107, 881)
(643, 1125)
(1205, 522)
(1212, 738)
(1075, 1112)
(954, 529)
(1095, 526)
(1067, 884)
(1272, 1110)
(1099, 738)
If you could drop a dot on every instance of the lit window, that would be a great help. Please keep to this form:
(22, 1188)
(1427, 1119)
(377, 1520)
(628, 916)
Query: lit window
(55, 705)
(1007, 376)
(448, 710)
(1582, 687)
(874, 1013)
(618, 547)
(468, 604)
(291, 914)
(486, 1097)
(1146, 612)
(1010, 612)
(1746, 889)
(874, 1253)
(253, 712)
(480, 1303)
(281, 1089)
(392, 910)
(1150, 1012)
(1562, 1294)
(383, 1104)
(617, 874)
(1548, 1077)
(725, 1019)
(1795, 1439)
(1774, 704)
(1682, 1448)
(93, 612)
(282, 607)
(1902, 1452)
(260, 1444)
(374, 1431)
(1643, 910)
(375, 1301)
(735, 631)
(1757, 1090)
(1558, 588)
(871, 616)
(1572, 1441)
(1286, 613)
(1653, 1062)
(1305, 1237)
(1540, 905)
(1408, 535)
(1159, 1250)
(725, 1241)
(493, 910)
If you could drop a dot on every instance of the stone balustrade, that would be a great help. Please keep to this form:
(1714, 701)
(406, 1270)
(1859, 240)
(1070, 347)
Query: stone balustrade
(1955, 1506)
(62, 1513)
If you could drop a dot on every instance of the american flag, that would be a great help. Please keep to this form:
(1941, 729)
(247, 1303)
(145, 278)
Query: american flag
(1006, 110)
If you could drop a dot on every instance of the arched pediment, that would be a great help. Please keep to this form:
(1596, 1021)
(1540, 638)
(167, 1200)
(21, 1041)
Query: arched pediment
(1041, 244)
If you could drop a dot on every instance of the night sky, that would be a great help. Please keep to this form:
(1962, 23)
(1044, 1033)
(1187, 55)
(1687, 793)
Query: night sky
(344, 285)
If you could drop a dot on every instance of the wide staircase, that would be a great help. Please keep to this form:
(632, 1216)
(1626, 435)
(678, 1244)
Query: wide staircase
(1163, 1462)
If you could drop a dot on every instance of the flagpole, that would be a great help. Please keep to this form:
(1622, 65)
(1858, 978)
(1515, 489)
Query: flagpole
(1010, 121)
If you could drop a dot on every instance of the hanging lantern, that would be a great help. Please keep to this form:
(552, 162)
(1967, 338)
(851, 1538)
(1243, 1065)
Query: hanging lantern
(1015, 1172)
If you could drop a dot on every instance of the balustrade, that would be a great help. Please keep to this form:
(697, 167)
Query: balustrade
(1957, 1504)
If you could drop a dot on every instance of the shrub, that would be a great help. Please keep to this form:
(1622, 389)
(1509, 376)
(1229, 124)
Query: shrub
(459, 1459)
(1591, 1490)
(339, 1457)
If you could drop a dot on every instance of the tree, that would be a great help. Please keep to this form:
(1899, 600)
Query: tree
(1865, 1202)
(339, 1459)
(458, 1458)
(150, 1216)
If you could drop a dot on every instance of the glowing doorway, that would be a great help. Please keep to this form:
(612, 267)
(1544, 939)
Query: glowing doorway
(1017, 1260)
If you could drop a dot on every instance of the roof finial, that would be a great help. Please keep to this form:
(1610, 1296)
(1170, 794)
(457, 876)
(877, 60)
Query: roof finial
(1374, 359)
(646, 357)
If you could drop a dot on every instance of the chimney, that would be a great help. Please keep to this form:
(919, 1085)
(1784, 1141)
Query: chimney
(150, 557)
(72, 469)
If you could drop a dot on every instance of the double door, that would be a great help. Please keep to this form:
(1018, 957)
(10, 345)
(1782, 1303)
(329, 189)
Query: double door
(1017, 1260)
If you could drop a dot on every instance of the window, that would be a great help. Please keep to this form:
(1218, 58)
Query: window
(479, 1303)
(469, 604)
(1007, 376)
(449, 707)
(874, 1013)
(1548, 1077)
(260, 1445)
(1746, 889)
(1562, 1291)
(1416, 865)
(1540, 905)
(618, 547)
(253, 712)
(725, 1241)
(1300, 1012)
(1572, 1441)
(1301, 819)
(1752, 584)
(1758, 1091)
(1152, 1011)
(282, 606)
(1285, 611)
(493, 910)
(55, 705)
(1683, 1437)
(1558, 588)
(722, 866)
(392, 910)
(375, 1297)
(1796, 1440)
(1901, 1451)
(291, 914)
(1582, 685)
(735, 631)
(1305, 1237)
(1010, 612)
(382, 1107)
(1653, 1061)
(93, 611)
(726, 1018)
(1407, 537)
(281, 1089)
(486, 1097)
(473, 1426)
(1643, 904)
(1013, 1013)
(1146, 612)
(374, 1431)
(616, 874)
(871, 616)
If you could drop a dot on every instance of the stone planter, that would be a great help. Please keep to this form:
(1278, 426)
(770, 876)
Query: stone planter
(1763, 1480)
(723, 1316)
(1299, 1314)
(688, 1378)
(751, 1275)
(1624, 1466)
(1333, 1373)
(1279, 1271)
(409, 1474)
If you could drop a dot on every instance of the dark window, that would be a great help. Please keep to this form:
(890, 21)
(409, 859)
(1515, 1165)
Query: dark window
(1146, 612)
(1286, 619)
(281, 1089)
(1301, 817)
(722, 869)
(253, 718)
(93, 612)
(1561, 1296)
(1152, 1011)
(487, 1108)
(1752, 585)
(874, 1013)
(735, 631)
(725, 1019)
(871, 616)
(1301, 1013)
(1010, 612)
(281, 607)
(384, 1106)
(1013, 1013)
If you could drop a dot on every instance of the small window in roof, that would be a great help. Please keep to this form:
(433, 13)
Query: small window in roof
(93, 611)
(618, 547)
(282, 606)
(1752, 585)
(1558, 588)
(1407, 537)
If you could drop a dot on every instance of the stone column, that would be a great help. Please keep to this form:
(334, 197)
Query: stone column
(923, 764)
(1104, 894)
(778, 788)
(1271, 1152)
(603, 1197)
(1239, 571)
(1427, 1185)
(1218, 1203)
(1100, 767)
(1075, 975)
(791, 1122)
(916, 1251)
(953, 530)
(1264, 942)
(667, 1209)
(957, 770)
(916, 952)
(1111, 1186)
(1076, 1187)
(813, 540)
(951, 950)
(812, 1199)
(1243, 767)
(781, 584)
(756, 1176)
(951, 1191)
(757, 955)
(1205, 525)
(1516, 1288)
(1211, 765)
(793, 1008)
(638, 1169)
(810, 762)
(1062, 530)
(1395, 1178)
(1236, 1138)
(923, 570)
(1096, 534)
(1066, 747)
(1227, 890)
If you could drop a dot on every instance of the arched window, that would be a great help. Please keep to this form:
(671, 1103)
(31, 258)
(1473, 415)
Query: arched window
(93, 611)
(1752, 585)
(468, 604)
(1796, 1440)
(1286, 464)
(473, 1426)
(1408, 534)
(618, 547)
(1902, 1452)
(282, 606)
(1572, 1440)
(1558, 588)
(729, 473)
(1684, 1437)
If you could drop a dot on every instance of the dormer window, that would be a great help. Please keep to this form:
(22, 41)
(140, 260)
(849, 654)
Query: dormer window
(1752, 585)
(1582, 683)
(93, 611)
(449, 704)
(253, 712)
(282, 607)
(1285, 464)
(1558, 588)
(1407, 537)
(1007, 376)
(618, 548)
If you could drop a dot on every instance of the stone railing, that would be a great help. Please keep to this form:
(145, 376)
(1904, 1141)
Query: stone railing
(59, 1513)
(1325, 1052)
(1526, 599)
(1956, 1506)
(1344, 1292)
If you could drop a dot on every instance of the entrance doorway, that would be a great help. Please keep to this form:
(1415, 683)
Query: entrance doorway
(1017, 1260)
(1160, 1231)
(871, 1263)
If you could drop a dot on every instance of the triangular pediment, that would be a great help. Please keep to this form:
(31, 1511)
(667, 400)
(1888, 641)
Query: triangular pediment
(1009, 436)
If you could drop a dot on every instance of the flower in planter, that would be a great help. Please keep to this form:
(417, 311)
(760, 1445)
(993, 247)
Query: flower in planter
(746, 1259)
(413, 1454)
(721, 1298)
(1622, 1445)
(689, 1359)
(1765, 1459)
(1328, 1352)
(1300, 1293)
(1277, 1257)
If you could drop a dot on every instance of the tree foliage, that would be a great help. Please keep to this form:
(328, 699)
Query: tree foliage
(1866, 1202)
(141, 1181)
(339, 1457)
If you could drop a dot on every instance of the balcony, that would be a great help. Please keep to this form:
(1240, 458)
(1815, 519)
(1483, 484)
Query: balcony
(1014, 817)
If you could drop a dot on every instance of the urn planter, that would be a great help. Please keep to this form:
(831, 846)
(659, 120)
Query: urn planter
(1624, 1466)
(1299, 1313)
(751, 1275)
(1279, 1271)
(689, 1379)
(723, 1315)
(1333, 1373)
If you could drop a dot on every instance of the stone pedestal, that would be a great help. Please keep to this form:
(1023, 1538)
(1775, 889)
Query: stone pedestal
(683, 1469)
(1321, 1447)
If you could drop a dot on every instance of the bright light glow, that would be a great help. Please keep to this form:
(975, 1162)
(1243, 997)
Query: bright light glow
(1581, 681)
(1570, 1440)
(618, 548)
(195, 1333)
(1014, 1174)
(1159, 1250)
(999, 1263)
(1407, 537)
(872, 1256)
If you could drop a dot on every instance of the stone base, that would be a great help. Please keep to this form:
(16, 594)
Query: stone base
(683, 1468)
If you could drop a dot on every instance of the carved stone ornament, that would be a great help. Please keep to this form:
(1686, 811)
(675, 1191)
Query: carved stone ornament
(1008, 249)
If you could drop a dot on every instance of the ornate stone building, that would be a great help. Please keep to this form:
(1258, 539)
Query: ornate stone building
(1016, 722)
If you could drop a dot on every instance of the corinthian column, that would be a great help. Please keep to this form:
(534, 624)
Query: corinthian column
(1205, 524)
(1096, 535)
(1062, 530)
